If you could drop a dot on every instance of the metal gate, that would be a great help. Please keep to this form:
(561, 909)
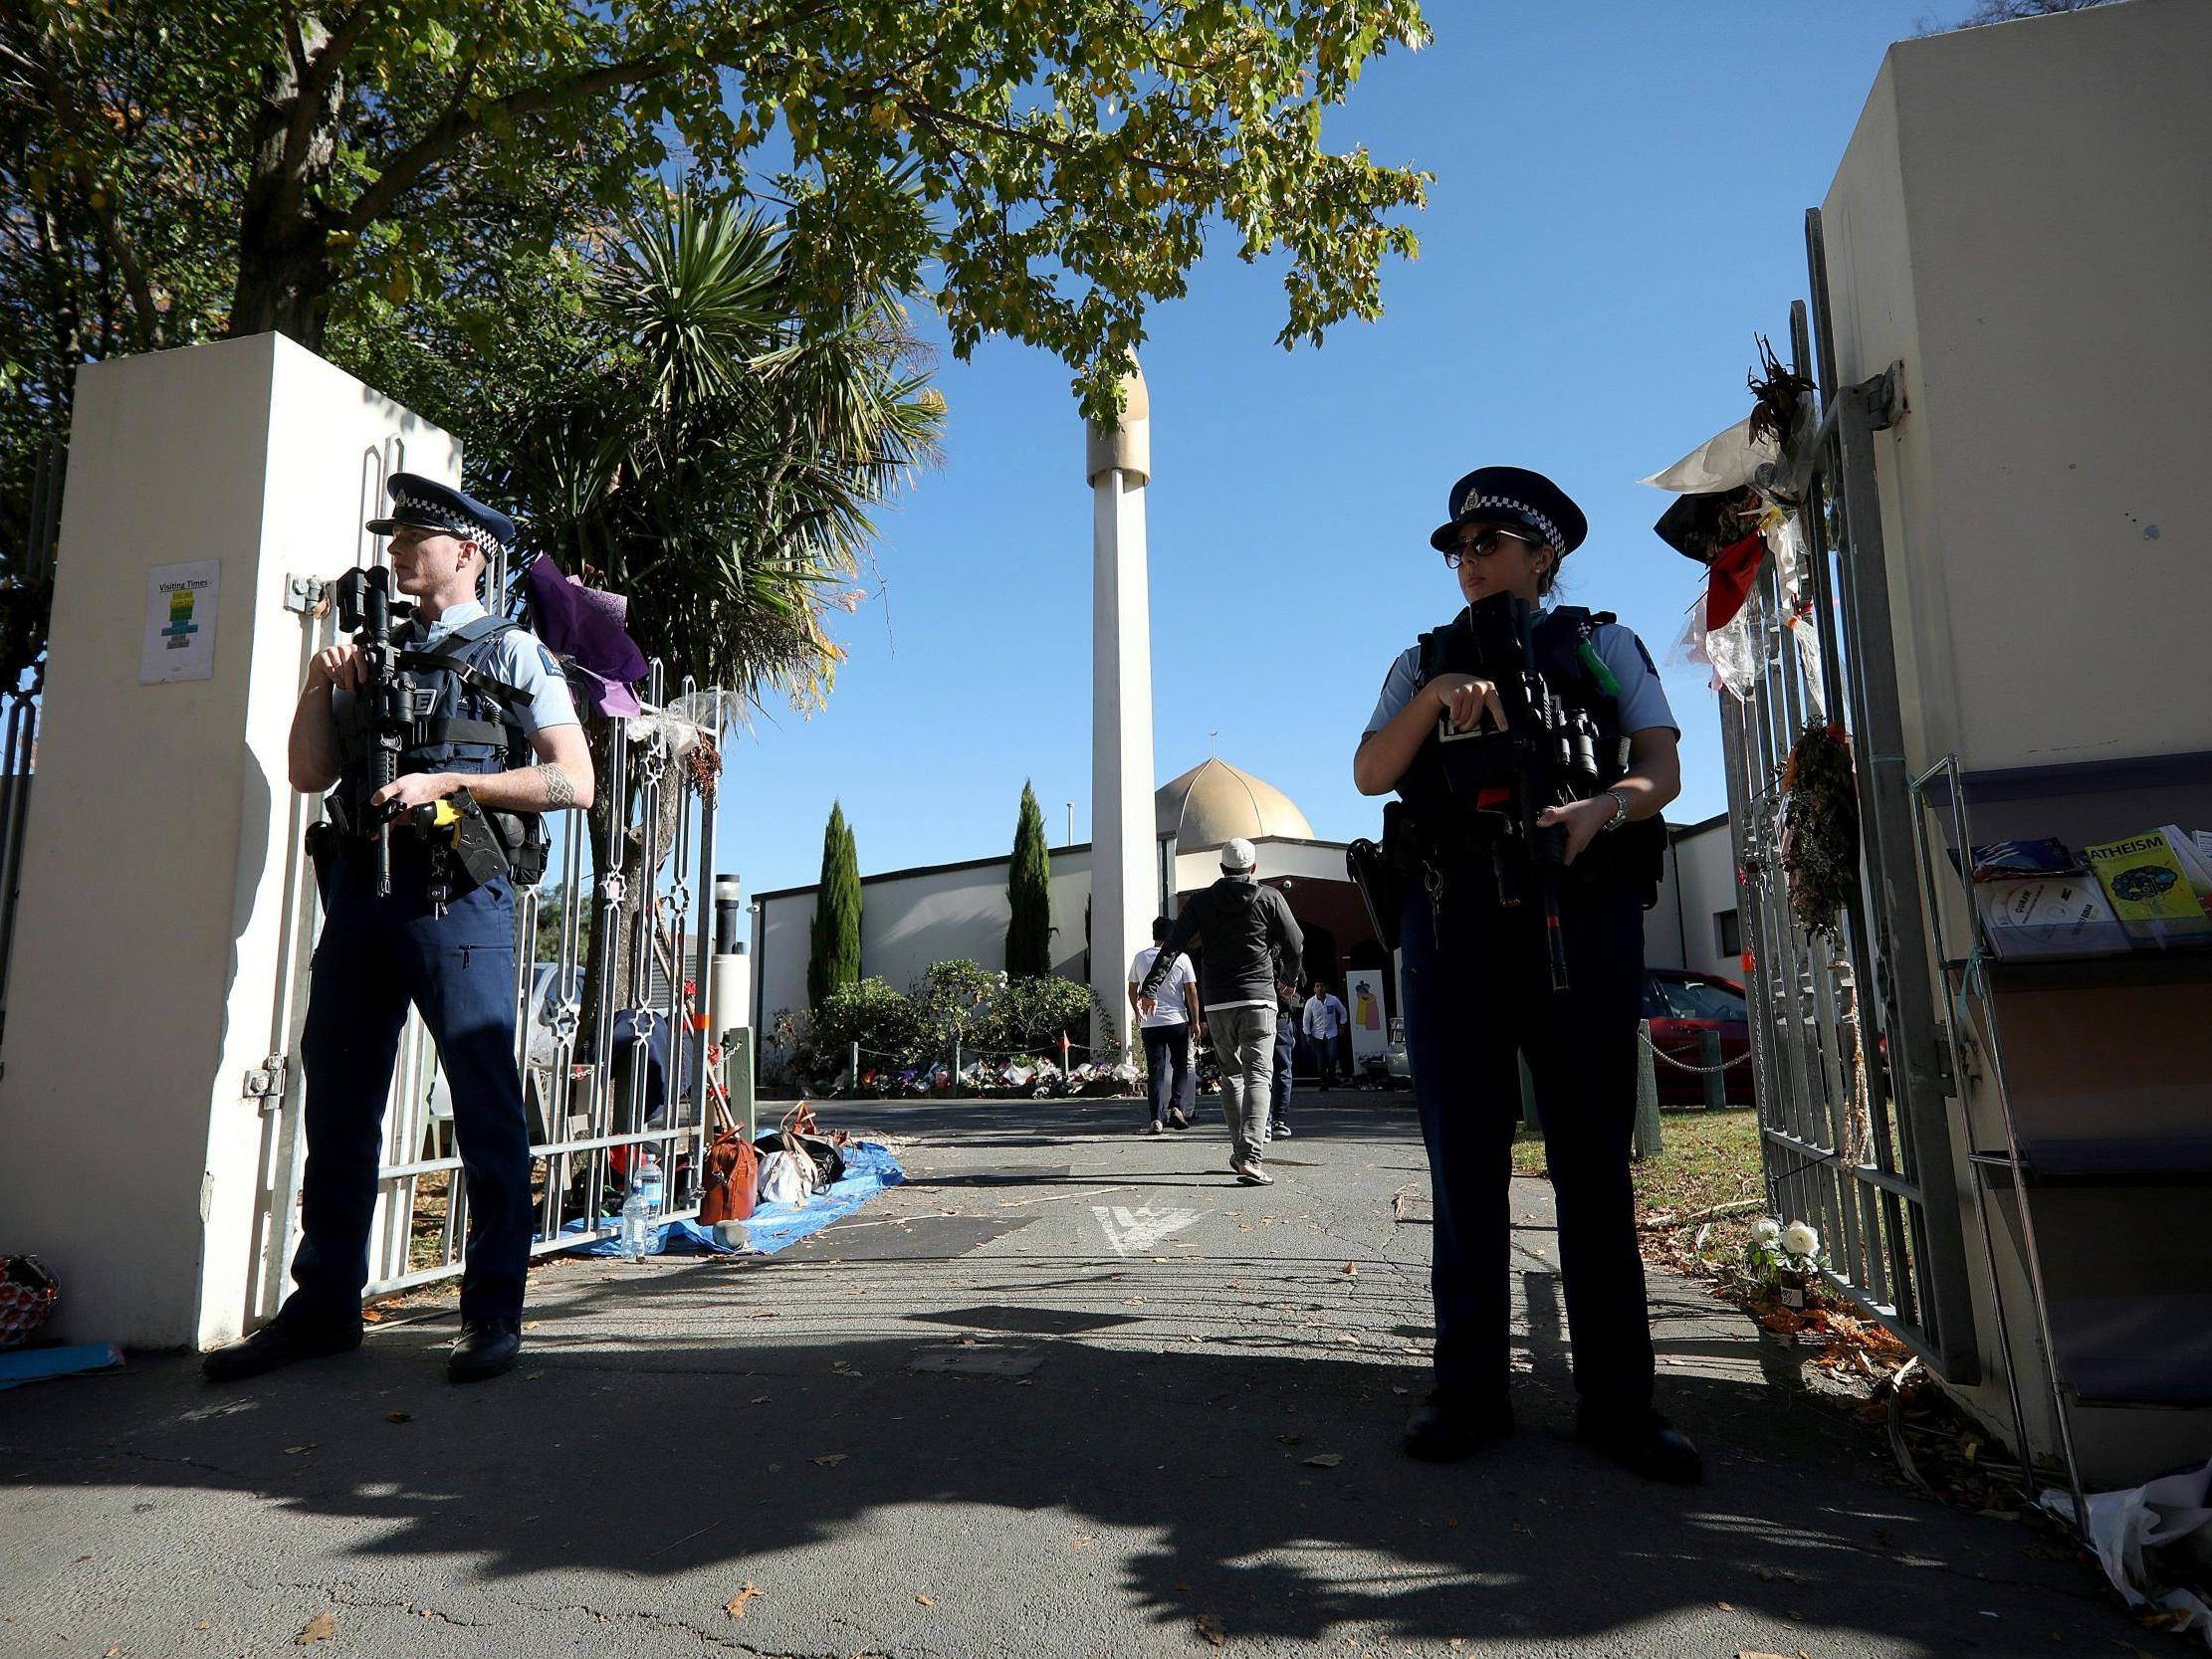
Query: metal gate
(599, 1082)
(1849, 1047)
(20, 700)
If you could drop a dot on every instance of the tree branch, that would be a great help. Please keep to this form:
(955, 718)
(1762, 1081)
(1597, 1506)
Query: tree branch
(457, 126)
(59, 93)
(133, 269)
(314, 77)
(1059, 149)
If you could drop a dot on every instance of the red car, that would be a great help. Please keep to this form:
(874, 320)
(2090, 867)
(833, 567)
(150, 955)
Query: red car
(1681, 1005)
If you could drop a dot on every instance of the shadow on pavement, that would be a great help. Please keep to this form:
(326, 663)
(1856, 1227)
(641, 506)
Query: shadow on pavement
(661, 1457)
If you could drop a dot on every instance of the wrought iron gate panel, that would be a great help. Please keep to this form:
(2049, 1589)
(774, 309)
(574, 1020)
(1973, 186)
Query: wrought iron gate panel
(1847, 1037)
(583, 1128)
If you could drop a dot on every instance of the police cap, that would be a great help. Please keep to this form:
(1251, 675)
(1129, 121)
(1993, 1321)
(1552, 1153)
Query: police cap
(419, 503)
(1513, 499)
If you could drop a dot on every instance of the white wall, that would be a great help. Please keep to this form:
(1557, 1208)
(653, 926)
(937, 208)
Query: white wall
(1699, 884)
(162, 834)
(911, 920)
(2021, 216)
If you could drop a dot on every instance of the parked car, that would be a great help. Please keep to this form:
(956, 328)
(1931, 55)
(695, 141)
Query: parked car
(1683, 1005)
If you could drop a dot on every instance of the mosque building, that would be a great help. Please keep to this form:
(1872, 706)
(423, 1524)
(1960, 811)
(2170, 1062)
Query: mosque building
(911, 918)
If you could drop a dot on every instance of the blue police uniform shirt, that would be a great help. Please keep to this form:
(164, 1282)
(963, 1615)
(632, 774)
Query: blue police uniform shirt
(516, 657)
(1641, 703)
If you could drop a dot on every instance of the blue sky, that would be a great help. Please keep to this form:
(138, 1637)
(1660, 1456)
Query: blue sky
(1618, 208)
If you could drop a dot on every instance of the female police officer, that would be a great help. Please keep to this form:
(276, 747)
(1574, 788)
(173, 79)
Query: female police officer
(1479, 979)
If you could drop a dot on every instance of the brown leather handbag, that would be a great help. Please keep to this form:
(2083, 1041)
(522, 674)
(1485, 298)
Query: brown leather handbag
(733, 1179)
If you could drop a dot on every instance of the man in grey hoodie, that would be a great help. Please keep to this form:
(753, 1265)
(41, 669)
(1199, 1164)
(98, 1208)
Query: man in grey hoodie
(1247, 931)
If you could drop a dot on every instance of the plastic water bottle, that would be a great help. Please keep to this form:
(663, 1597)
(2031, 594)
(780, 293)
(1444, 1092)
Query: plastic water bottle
(642, 1209)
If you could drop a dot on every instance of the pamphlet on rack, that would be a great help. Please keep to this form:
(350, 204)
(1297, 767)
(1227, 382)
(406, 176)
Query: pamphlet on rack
(2153, 891)
(2048, 916)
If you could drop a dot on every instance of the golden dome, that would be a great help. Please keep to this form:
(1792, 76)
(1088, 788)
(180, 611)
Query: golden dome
(1213, 802)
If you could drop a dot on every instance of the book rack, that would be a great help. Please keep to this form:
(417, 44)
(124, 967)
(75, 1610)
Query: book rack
(2088, 1088)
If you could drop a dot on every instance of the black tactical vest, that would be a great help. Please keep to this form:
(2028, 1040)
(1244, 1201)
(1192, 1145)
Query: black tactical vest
(1567, 657)
(464, 720)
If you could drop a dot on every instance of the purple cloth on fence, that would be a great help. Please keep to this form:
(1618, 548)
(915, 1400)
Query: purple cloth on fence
(584, 627)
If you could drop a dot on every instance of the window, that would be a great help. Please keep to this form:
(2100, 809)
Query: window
(1656, 1006)
(1700, 999)
(1728, 933)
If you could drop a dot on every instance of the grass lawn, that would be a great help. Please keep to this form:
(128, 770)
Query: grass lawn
(1707, 1158)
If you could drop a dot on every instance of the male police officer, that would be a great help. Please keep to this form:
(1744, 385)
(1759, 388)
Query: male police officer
(490, 713)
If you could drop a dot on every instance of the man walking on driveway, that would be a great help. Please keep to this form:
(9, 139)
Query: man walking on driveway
(1324, 1017)
(1169, 1031)
(1247, 930)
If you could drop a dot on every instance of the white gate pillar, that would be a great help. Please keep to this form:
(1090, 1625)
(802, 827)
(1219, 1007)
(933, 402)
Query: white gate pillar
(1118, 464)
(162, 853)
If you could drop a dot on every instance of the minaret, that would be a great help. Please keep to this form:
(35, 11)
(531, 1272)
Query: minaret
(1117, 464)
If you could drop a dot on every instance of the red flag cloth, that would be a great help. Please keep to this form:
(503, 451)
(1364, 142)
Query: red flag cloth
(1731, 571)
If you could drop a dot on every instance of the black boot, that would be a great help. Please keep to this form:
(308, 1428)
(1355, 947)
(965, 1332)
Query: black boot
(488, 1348)
(1450, 1426)
(282, 1342)
(1642, 1440)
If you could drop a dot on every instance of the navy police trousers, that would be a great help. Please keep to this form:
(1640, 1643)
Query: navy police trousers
(1477, 991)
(375, 957)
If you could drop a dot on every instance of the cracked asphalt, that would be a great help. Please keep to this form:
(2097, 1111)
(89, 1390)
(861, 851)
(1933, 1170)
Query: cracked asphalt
(1069, 1391)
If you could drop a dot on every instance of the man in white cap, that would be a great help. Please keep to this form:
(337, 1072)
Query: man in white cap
(1251, 938)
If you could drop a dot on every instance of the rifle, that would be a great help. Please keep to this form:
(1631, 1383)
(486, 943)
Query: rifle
(386, 702)
(1546, 756)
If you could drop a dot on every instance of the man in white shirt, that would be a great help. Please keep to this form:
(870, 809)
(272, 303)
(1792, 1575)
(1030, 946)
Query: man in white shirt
(1166, 1031)
(1325, 1017)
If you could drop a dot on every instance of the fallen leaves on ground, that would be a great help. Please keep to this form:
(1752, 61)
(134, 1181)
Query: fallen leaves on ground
(830, 1460)
(735, 1607)
(320, 1628)
(926, 1600)
(1210, 1626)
(1324, 1460)
(295, 1451)
(400, 1416)
(1351, 1270)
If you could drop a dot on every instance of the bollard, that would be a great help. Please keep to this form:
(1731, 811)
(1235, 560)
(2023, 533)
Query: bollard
(1648, 1138)
(1716, 1081)
(737, 1069)
(1530, 1113)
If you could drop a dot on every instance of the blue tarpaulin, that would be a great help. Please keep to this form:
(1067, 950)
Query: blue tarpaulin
(36, 1364)
(870, 1170)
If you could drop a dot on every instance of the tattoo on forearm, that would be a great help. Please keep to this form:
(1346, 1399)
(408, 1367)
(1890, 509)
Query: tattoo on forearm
(559, 790)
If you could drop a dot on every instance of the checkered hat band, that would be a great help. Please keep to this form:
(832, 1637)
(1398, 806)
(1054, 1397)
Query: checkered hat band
(441, 515)
(1474, 502)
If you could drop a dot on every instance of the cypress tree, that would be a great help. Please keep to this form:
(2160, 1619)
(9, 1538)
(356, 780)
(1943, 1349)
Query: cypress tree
(1029, 895)
(834, 958)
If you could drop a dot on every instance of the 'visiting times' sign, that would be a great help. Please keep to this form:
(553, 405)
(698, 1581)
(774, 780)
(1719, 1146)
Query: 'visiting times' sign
(179, 642)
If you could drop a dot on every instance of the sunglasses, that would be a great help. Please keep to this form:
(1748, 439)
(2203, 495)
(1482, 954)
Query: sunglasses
(1483, 545)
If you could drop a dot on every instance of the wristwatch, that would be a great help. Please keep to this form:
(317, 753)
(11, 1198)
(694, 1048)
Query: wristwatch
(1620, 812)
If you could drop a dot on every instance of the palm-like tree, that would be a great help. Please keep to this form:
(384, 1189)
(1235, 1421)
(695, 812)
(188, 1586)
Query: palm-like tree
(711, 442)
(718, 451)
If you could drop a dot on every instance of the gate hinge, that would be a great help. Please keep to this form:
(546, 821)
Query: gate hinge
(1944, 1072)
(304, 593)
(267, 1080)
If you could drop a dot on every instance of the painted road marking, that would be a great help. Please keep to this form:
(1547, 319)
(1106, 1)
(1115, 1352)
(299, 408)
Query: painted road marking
(1133, 1231)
